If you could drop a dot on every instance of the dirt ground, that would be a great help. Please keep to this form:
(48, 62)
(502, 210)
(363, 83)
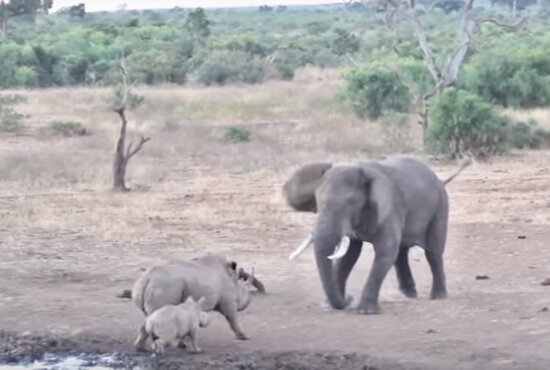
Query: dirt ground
(69, 246)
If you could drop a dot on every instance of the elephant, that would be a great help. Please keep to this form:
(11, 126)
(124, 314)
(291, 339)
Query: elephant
(211, 276)
(394, 204)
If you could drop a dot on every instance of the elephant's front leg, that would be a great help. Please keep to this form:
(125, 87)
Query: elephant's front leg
(386, 250)
(343, 266)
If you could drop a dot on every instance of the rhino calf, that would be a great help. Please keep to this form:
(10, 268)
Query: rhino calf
(171, 324)
(212, 277)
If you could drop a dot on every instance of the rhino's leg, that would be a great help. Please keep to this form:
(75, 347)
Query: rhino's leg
(193, 341)
(229, 311)
(158, 346)
(181, 343)
(139, 343)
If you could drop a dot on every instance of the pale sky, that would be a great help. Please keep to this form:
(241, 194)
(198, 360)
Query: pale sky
(95, 5)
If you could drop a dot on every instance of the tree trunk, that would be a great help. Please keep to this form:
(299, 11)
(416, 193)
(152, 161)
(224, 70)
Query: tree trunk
(3, 26)
(119, 174)
(120, 160)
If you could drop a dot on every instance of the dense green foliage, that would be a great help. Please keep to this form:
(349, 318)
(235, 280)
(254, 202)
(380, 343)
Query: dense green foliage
(511, 76)
(72, 47)
(503, 68)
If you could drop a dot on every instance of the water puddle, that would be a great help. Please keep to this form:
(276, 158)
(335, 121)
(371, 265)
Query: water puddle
(81, 362)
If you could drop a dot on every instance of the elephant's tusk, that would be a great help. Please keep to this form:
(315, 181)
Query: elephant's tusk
(341, 249)
(306, 243)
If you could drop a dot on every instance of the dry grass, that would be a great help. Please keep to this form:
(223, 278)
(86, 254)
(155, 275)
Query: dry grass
(290, 123)
(541, 115)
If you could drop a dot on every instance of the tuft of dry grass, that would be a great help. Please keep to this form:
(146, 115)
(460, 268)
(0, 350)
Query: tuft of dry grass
(541, 115)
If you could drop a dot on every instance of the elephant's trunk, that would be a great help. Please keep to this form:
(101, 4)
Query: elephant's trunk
(325, 240)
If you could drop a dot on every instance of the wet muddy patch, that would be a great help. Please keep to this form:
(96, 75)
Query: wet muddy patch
(22, 352)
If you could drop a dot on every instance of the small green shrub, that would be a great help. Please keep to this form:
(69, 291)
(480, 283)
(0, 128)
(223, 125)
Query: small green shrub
(462, 122)
(12, 99)
(375, 90)
(68, 128)
(10, 120)
(227, 66)
(527, 135)
(235, 134)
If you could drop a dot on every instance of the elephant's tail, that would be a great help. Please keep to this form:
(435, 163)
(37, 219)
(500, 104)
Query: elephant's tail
(139, 291)
(462, 167)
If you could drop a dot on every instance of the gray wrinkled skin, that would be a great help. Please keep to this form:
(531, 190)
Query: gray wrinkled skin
(394, 204)
(212, 277)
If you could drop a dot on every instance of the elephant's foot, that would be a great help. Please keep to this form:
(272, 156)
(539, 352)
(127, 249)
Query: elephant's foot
(368, 309)
(326, 306)
(242, 336)
(409, 292)
(440, 294)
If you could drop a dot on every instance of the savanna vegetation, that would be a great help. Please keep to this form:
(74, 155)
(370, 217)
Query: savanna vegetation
(452, 66)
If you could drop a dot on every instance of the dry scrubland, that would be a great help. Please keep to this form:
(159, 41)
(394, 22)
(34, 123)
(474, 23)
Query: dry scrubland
(69, 245)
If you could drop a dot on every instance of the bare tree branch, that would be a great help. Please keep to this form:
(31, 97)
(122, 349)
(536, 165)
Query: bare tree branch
(416, 96)
(511, 27)
(142, 141)
(427, 53)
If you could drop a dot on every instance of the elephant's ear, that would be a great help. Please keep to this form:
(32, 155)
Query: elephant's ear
(299, 190)
(381, 192)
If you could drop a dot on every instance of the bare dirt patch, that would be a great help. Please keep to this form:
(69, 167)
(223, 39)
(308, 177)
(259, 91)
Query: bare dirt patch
(69, 246)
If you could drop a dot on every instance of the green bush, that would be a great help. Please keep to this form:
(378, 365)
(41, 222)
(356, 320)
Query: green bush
(462, 122)
(10, 120)
(227, 66)
(516, 78)
(375, 90)
(344, 42)
(527, 135)
(235, 134)
(68, 128)
(25, 76)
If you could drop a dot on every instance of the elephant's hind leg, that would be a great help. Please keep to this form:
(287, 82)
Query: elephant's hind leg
(435, 246)
(404, 274)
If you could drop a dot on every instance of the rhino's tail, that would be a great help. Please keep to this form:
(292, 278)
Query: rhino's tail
(462, 167)
(139, 292)
(126, 294)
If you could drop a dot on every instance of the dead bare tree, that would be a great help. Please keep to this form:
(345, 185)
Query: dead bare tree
(124, 153)
(444, 74)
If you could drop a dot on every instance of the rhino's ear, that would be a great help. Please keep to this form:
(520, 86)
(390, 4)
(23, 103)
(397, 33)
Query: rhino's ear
(200, 301)
(232, 265)
(189, 299)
